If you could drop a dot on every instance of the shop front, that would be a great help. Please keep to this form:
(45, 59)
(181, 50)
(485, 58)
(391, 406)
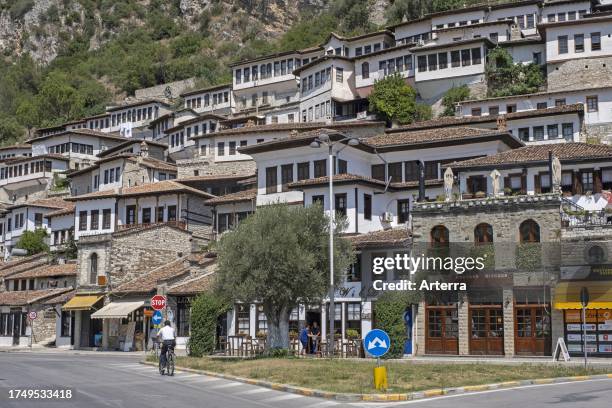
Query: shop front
(87, 332)
(532, 321)
(442, 324)
(486, 322)
(124, 326)
(598, 322)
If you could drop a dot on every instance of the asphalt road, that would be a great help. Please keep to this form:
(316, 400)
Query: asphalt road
(116, 381)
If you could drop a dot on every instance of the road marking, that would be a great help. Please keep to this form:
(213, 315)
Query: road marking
(188, 376)
(423, 401)
(283, 397)
(256, 391)
(322, 404)
(228, 385)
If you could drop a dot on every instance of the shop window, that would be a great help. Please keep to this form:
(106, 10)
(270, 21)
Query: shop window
(353, 316)
(262, 322)
(243, 319)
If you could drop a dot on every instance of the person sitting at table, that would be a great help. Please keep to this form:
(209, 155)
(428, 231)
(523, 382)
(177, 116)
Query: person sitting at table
(315, 333)
(304, 338)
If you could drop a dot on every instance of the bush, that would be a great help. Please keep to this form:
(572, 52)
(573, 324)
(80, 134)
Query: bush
(452, 97)
(21, 8)
(205, 310)
(33, 241)
(389, 310)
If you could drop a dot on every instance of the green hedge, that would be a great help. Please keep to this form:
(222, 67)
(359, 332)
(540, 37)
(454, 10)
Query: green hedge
(205, 311)
(389, 310)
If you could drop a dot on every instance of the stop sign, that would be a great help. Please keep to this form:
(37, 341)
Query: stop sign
(158, 302)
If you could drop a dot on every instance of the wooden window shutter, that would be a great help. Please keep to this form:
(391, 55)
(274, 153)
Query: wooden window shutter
(524, 182)
(507, 182)
(577, 183)
(538, 184)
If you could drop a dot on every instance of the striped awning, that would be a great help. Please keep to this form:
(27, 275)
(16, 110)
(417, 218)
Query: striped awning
(117, 310)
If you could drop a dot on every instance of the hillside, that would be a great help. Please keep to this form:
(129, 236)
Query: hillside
(64, 59)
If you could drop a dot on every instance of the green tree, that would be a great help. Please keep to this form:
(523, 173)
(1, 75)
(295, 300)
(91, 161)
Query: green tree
(10, 130)
(33, 241)
(505, 78)
(393, 99)
(205, 311)
(452, 97)
(389, 309)
(278, 257)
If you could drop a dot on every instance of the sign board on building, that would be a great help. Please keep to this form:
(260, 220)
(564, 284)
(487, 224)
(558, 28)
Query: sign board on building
(148, 312)
(32, 315)
(158, 302)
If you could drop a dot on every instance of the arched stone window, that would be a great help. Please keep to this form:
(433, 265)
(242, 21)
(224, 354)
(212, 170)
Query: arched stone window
(529, 231)
(439, 236)
(483, 233)
(93, 269)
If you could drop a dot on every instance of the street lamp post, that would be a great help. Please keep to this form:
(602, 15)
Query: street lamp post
(325, 139)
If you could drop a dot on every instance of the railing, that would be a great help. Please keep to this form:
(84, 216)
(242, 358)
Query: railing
(177, 224)
(574, 215)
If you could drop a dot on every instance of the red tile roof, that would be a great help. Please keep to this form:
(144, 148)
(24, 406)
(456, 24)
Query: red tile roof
(160, 187)
(47, 271)
(27, 297)
(55, 203)
(148, 281)
(193, 286)
(246, 195)
(22, 264)
(394, 237)
(537, 154)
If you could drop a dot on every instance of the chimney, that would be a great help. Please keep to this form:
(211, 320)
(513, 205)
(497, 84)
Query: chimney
(502, 123)
(144, 149)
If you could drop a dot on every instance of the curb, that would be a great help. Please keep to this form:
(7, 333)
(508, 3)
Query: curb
(417, 395)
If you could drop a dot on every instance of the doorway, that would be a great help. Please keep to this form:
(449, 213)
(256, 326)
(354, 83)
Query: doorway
(486, 330)
(442, 330)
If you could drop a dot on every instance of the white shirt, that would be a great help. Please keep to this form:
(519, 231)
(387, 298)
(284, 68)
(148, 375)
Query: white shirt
(166, 333)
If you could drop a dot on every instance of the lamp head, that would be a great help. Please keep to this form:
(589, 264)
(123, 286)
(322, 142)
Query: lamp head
(324, 137)
(353, 141)
(315, 144)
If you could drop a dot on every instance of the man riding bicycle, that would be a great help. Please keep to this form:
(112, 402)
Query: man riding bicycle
(168, 339)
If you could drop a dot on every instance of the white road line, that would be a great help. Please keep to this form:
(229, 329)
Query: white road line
(187, 376)
(228, 385)
(283, 398)
(322, 404)
(256, 391)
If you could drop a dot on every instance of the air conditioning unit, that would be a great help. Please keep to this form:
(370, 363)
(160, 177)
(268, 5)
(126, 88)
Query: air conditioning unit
(387, 217)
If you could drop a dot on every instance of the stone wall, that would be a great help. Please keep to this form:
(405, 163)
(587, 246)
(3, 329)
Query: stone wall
(159, 91)
(135, 174)
(87, 246)
(580, 73)
(206, 167)
(43, 327)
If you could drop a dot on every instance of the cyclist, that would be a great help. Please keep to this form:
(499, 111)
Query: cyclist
(168, 338)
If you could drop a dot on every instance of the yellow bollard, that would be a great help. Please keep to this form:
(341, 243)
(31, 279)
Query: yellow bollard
(380, 378)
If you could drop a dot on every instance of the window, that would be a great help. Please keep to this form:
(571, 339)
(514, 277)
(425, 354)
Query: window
(442, 60)
(342, 166)
(529, 231)
(339, 74)
(38, 220)
(303, 171)
(493, 37)
(340, 204)
(353, 316)
(551, 18)
(465, 58)
(537, 58)
(571, 15)
(318, 199)
(243, 320)
(422, 63)
(172, 213)
(562, 44)
(431, 170)
(524, 134)
(538, 132)
(403, 211)
(106, 219)
(476, 112)
(82, 221)
(568, 131)
(541, 105)
(367, 49)
(552, 131)
(320, 168)
(586, 177)
(378, 172)
(578, 42)
(483, 234)
(530, 21)
(439, 236)
(367, 206)
(432, 62)
(286, 176)
(592, 103)
(365, 70)
(476, 184)
(493, 110)
(455, 58)
(220, 149)
(93, 269)
(595, 41)
(232, 148)
(130, 214)
(146, 216)
(66, 326)
(560, 102)
(95, 219)
(271, 180)
(411, 171)
(476, 56)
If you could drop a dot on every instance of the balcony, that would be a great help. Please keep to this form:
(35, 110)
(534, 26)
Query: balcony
(575, 215)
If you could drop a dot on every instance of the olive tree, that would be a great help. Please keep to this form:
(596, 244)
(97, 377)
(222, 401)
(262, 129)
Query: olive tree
(278, 257)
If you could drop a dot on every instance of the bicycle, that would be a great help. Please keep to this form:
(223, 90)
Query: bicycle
(168, 368)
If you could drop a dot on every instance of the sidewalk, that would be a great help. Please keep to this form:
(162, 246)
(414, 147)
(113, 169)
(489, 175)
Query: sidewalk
(599, 361)
(68, 351)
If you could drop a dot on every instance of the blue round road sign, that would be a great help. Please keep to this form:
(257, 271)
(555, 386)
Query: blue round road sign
(157, 317)
(377, 342)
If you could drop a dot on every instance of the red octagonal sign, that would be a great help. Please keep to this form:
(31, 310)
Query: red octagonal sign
(158, 302)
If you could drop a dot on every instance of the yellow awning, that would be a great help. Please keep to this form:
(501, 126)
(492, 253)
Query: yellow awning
(567, 295)
(82, 302)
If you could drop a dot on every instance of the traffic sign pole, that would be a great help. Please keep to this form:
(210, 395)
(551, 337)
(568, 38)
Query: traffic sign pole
(584, 299)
